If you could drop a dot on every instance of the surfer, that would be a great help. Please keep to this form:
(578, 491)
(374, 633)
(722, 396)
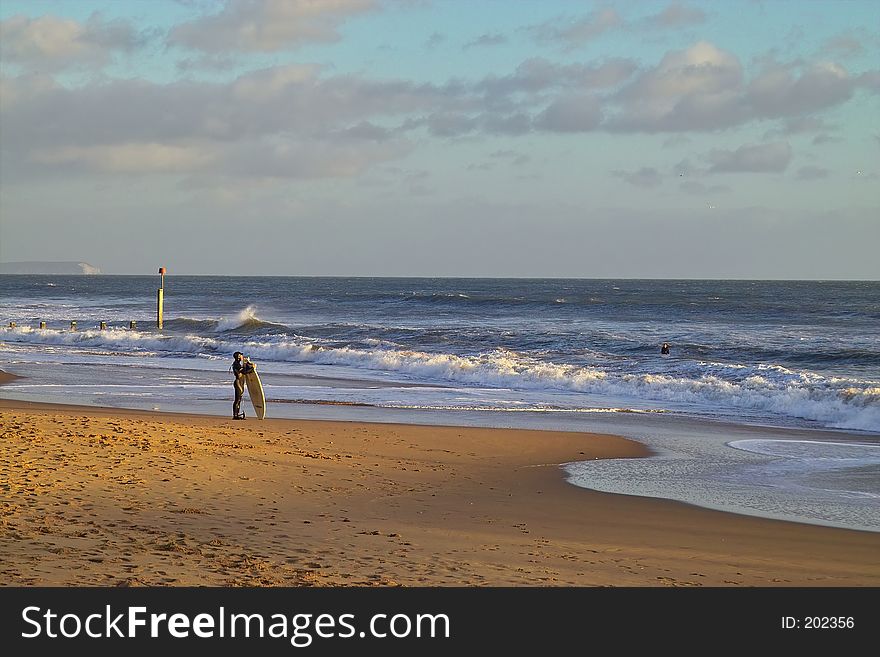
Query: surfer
(664, 348)
(238, 383)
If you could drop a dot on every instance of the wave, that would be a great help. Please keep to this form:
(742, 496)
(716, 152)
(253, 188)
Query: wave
(525, 409)
(115, 339)
(243, 322)
(247, 317)
(837, 402)
(183, 324)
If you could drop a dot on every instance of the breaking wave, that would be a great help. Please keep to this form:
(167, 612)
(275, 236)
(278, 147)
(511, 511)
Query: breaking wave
(837, 402)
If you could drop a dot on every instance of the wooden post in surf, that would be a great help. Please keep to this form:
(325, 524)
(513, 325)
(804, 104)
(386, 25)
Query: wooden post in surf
(42, 325)
(73, 326)
(160, 297)
(103, 326)
(132, 325)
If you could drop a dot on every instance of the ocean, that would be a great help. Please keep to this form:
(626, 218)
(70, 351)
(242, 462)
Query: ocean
(768, 402)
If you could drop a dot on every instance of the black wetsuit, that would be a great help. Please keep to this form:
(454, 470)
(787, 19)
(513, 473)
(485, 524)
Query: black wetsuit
(238, 384)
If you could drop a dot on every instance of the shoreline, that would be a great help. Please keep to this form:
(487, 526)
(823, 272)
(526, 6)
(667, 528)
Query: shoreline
(669, 438)
(103, 496)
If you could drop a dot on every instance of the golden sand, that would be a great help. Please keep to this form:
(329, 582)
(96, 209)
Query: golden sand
(114, 497)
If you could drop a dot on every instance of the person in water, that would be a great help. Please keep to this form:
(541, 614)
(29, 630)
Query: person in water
(664, 348)
(238, 383)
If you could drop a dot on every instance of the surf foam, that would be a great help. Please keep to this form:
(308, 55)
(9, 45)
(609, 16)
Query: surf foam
(834, 402)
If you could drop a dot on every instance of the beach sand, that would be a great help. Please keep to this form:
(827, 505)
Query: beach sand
(112, 497)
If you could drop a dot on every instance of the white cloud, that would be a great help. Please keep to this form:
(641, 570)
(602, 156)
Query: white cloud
(537, 74)
(488, 39)
(53, 43)
(268, 84)
(846, 44)
(689, 89)
(267, 25)
(701, 69)
(778, 92)
(676, 15)
(571, 32)
(129, 158)
(577, 113)
(704, 88)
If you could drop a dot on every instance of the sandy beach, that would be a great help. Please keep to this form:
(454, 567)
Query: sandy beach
(110, 497)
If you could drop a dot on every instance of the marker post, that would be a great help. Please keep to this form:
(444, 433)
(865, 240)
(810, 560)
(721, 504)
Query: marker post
(160, 297)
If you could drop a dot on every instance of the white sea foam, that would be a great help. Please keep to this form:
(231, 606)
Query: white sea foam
(112, 338)
(508, 409)
(249, 314)
(834, 402)
(813, 450)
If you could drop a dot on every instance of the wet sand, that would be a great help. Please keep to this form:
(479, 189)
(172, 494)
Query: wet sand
(113, 497)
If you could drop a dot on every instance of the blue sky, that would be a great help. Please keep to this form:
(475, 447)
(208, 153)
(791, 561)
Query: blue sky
(411, 137)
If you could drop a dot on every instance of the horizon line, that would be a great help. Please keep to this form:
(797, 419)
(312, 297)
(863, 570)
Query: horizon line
(474, 277)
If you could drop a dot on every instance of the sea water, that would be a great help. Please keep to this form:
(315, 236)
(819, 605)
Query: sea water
(771, 356)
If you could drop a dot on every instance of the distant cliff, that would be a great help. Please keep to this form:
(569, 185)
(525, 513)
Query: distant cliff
(48, 268)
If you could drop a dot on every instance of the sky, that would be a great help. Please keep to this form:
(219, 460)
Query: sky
(525, 138)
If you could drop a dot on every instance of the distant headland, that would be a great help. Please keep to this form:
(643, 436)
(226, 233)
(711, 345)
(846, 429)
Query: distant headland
(38, 267)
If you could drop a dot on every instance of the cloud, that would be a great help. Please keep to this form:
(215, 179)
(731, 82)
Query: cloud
(488, 39)
(798, 126)
(704, 88)
(449, 124)
(538, 74)
(676, 15)
(267, 25)
(292, 99)
(284, 158)
(256, 159)
(512, 124)
(811, 173)
(572, 33)
(778, 92)
(694, 89)
(366, 130)
(758, 158)
(267, 85)
(870, 80)
(846, 44)
(50, 43)
(308, 122)
(128, 158)
(644, 177)
(701, 69)
(211, 62)
(574, 113)
(514, 157)
(303, 125)
(803, 124)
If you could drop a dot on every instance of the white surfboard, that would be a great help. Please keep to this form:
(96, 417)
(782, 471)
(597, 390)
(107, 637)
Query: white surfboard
(255, 391)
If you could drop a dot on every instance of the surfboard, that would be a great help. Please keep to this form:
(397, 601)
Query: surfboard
(255, 390)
